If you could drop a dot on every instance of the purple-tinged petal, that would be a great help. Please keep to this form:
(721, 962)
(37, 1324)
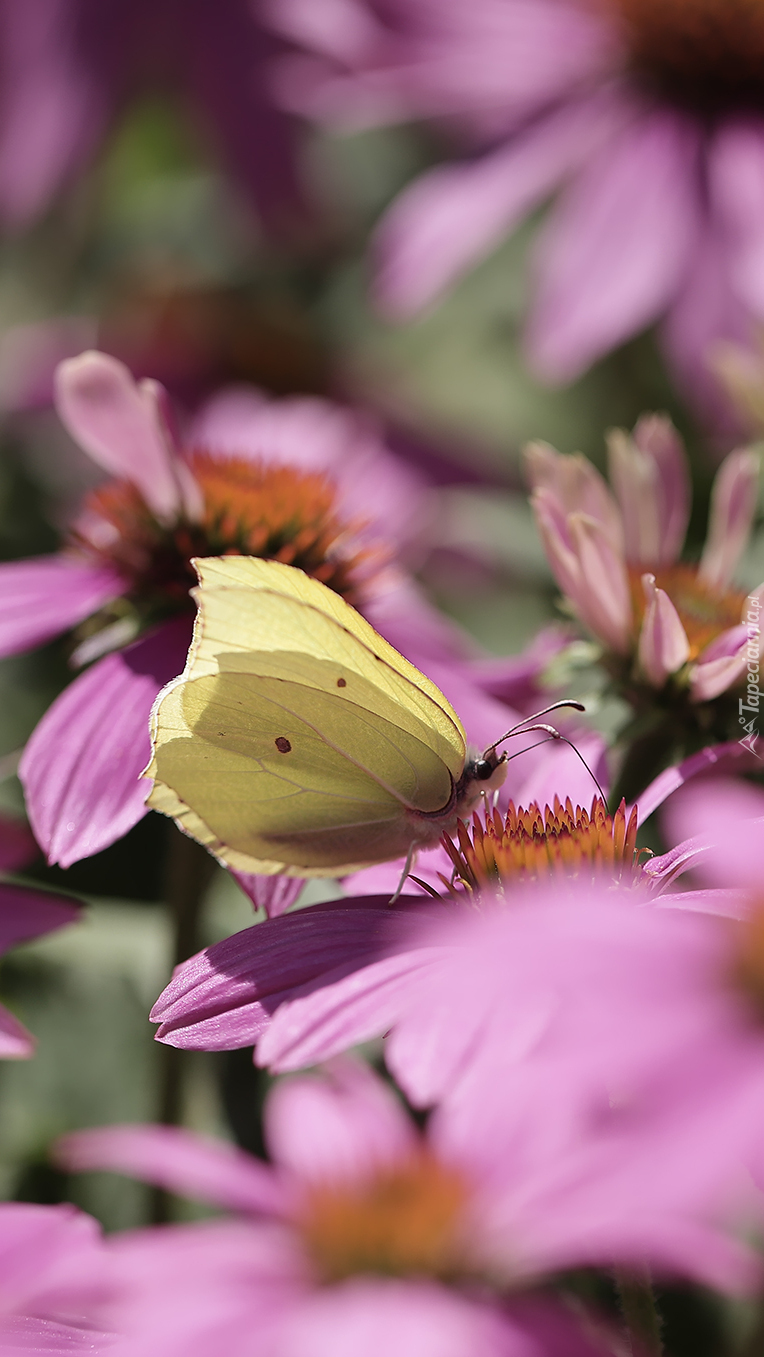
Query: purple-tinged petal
(518, 679)
(122, 424)
(729, 817)
(17, 843)
(703, 319)
(566, 772)
(34, 1242)
(273, 894)
(16, 1043)
(46, 595)
(602, 599)
(53, 106)
(725, 903)
(728, 757)
(343, 1008)
(208, 1170)
(357, 1124)
(589, 570)
(711, 677)
(225, 996)
(81, 769)
(733, 505)
(649, 473)
(576, 485)
(663, 645)
(615, 249)
(736, 179)
(451, 217)
(27, 913)
(380, 1316)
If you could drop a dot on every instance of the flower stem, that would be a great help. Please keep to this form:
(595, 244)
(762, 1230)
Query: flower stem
(189, 872)
(640, 1313)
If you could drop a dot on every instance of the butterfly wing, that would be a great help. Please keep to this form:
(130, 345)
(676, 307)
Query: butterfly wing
(297, 740)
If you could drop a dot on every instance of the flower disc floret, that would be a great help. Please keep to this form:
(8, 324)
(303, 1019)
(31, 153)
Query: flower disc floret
(248, 508)
(531, 844)
(704, 611)
(706, 55)
(407, 1220)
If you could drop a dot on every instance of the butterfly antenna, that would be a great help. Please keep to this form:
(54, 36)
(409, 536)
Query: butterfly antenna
(406, 869)
(556, 735)
(524, 725)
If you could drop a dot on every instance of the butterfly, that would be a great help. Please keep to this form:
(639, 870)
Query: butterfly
(297, 740)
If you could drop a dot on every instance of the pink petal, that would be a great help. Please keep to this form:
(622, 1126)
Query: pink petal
(615, 249)
(225, 996)
(704, 314)
(733, 506)
(44, 596)
(16, 1043)
(736, 174)
(26, 913)
(273, 894)
(453, 216)
(602, 594)
(342, 1009)
(650, 476)
(191, 1165)
(663, 644)
(729, 816)
(17, 844)
(709, 678)
(121, 423)
(409, 1318)
(356, 1123)
(34, 1242)
(728, 757)
(577, 486)
(81, 768)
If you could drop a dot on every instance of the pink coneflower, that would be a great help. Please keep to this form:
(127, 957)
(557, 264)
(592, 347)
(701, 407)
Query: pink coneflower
(308, 985)
(362, 1233)
(666, 624)
(644, 116)
(299, 481)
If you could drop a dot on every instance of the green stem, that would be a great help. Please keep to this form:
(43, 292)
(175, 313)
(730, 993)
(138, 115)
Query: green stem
(640, 1313)
(189, 872)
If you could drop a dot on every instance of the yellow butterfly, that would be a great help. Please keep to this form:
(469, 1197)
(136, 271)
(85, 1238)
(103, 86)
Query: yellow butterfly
(297, 740)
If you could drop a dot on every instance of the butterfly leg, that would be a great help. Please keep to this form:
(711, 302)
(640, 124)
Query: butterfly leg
(406, 869)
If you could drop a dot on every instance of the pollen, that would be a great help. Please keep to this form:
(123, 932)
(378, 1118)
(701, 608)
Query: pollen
(532, 844)
(704, 612)
(404, 1221)
(706, 55)
(250, 508)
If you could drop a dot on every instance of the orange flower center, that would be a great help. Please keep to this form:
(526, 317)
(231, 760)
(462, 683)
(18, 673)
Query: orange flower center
(532, 844)
(705, 613)
(748, 962)
(404, 1221)
(250, 509)
(704, 54)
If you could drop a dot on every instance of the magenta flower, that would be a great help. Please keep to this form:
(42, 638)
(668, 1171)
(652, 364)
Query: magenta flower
(67, 72)
(299, 480)
(46, 1254)
(308, 985)
(615, 557)
(645, 118)
(26, 914)
(350, 1233)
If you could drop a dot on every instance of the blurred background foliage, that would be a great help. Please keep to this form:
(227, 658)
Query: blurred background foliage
(154, 257)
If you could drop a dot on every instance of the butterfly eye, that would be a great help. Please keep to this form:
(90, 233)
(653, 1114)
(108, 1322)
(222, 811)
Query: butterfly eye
(282, 744)
(483, 769)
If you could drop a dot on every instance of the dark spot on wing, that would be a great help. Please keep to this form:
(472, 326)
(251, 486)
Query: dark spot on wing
(342, 683)
(282, 744)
